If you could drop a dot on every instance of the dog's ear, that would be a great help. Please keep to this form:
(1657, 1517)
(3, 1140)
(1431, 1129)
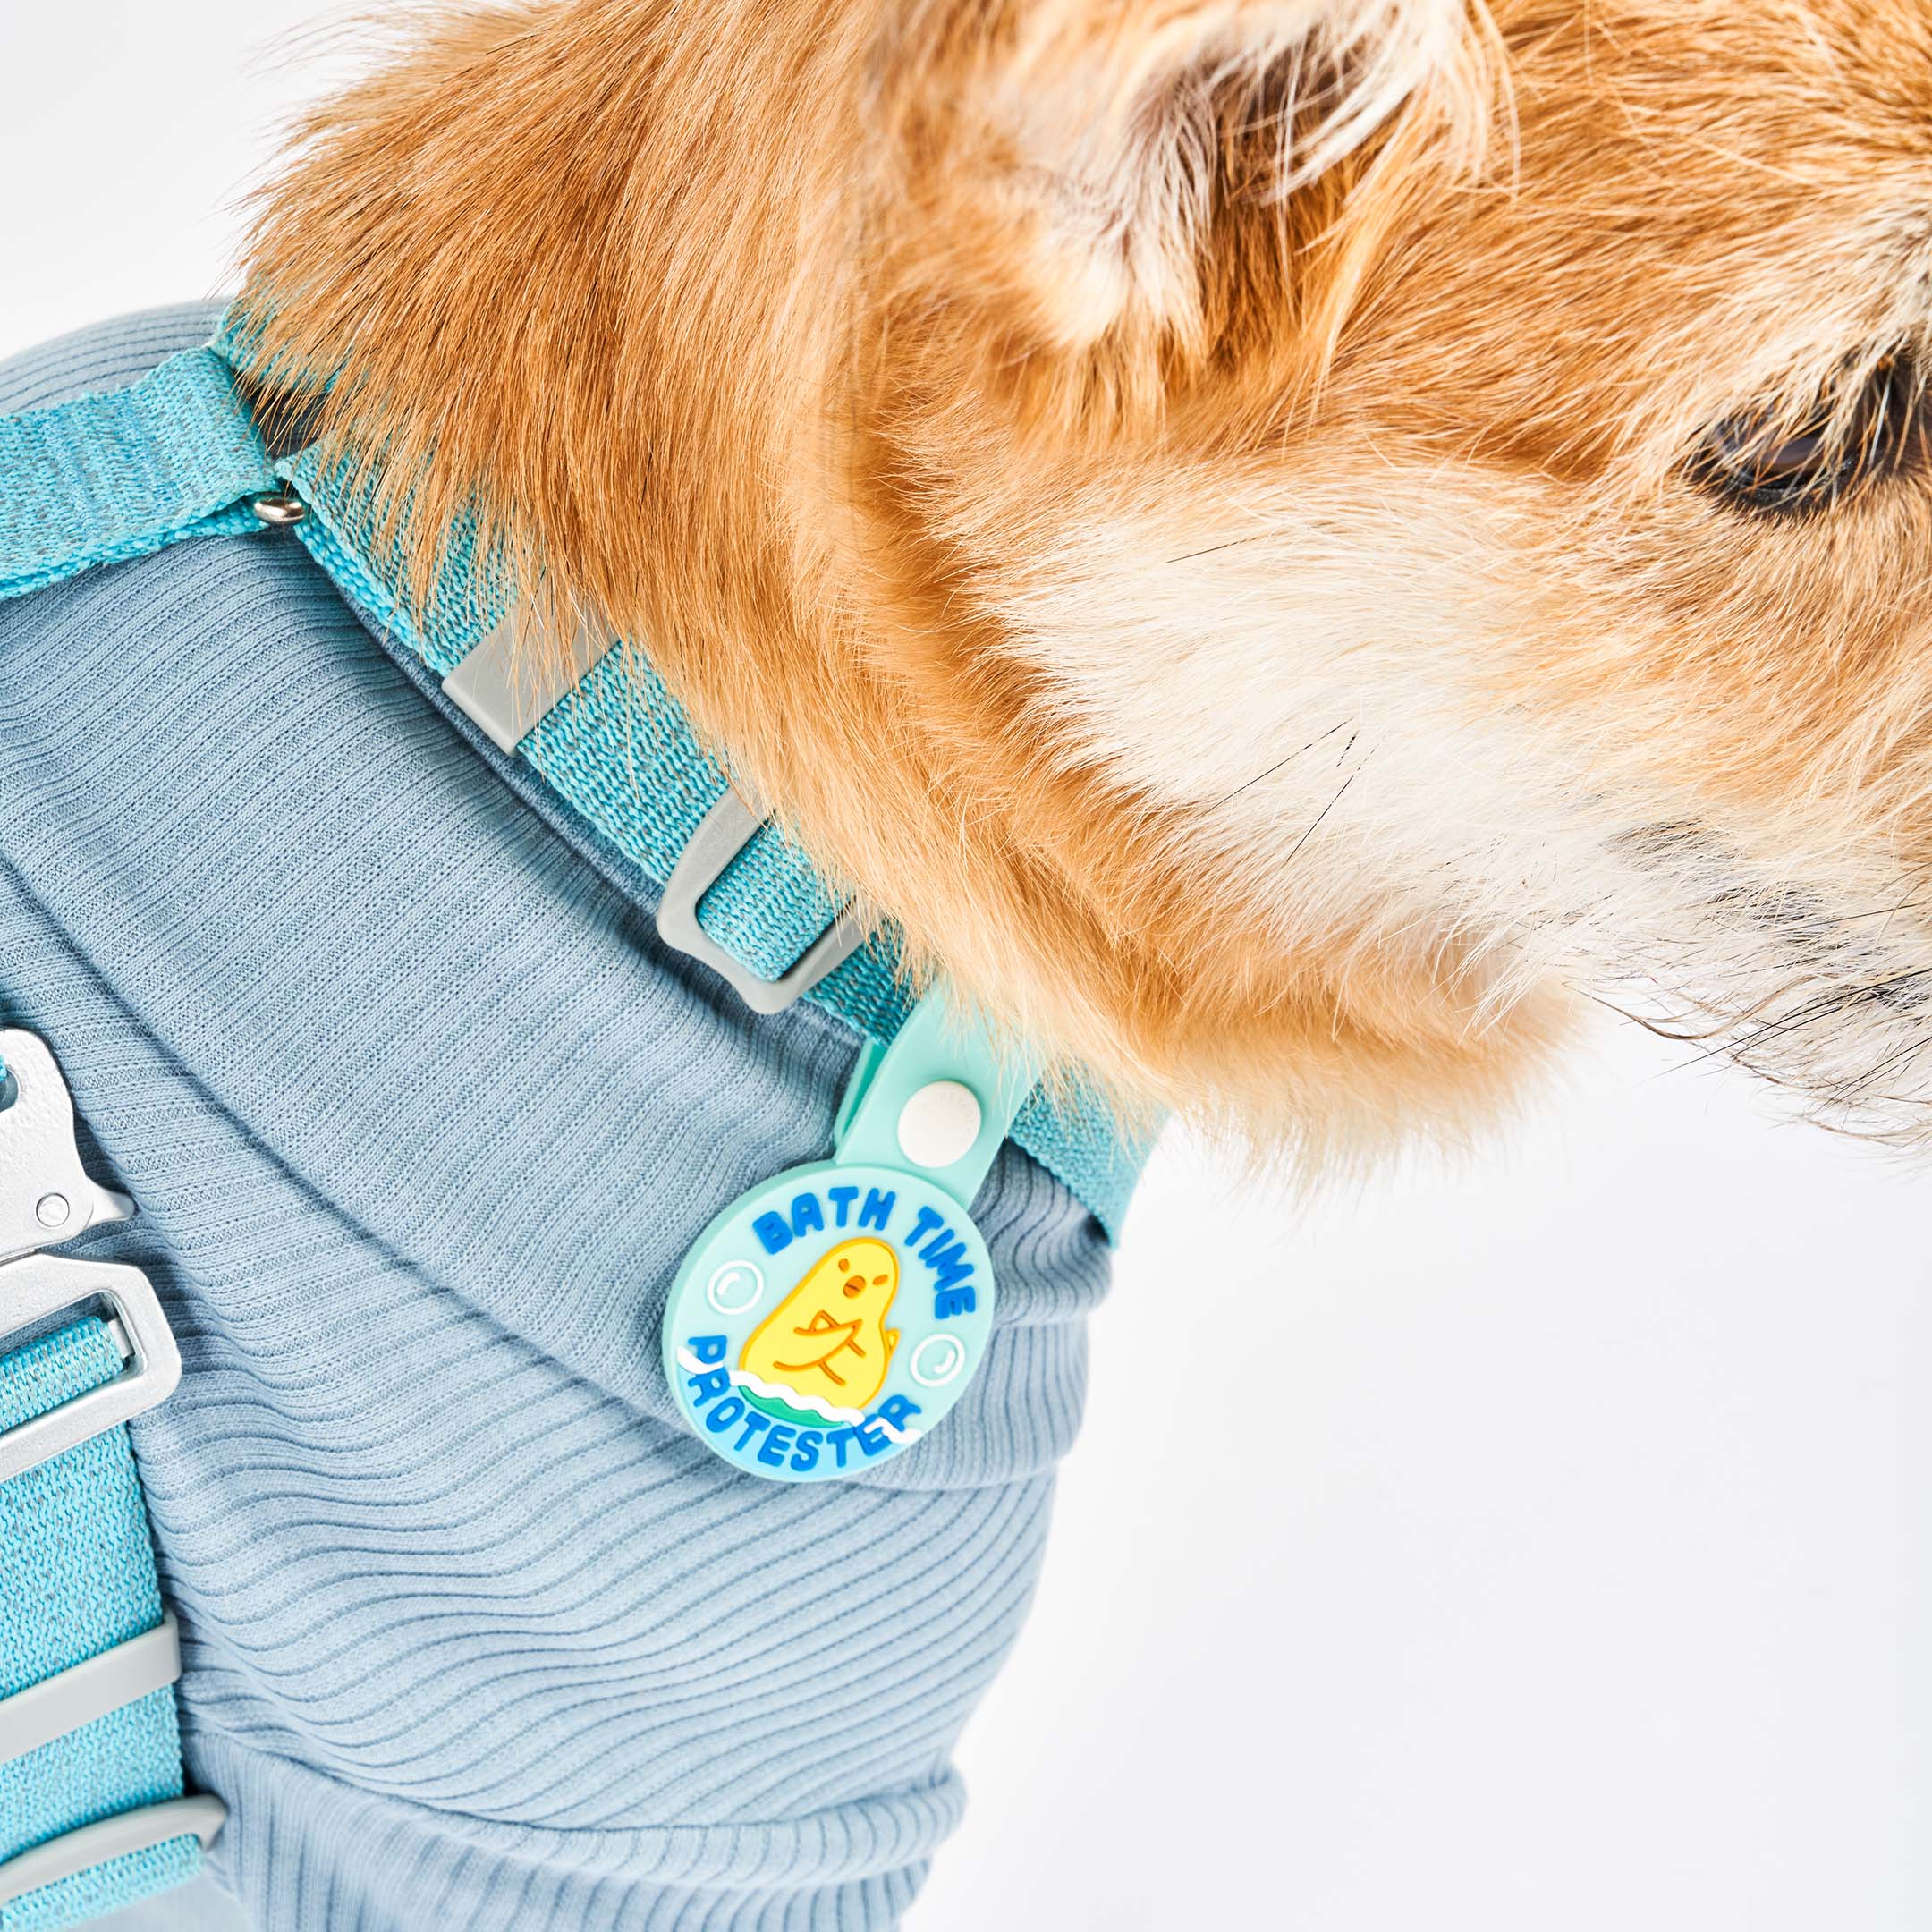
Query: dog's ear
(1077, 154)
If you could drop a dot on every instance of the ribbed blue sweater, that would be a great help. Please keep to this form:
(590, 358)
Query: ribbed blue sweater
(420, 1118)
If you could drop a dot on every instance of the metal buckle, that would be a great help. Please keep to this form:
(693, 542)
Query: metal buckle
(42, 1284)
(111, 1838)
(726, 830)
(45, 1197)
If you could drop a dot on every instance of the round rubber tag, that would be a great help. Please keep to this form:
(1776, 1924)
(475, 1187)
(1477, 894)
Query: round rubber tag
(825, 1320)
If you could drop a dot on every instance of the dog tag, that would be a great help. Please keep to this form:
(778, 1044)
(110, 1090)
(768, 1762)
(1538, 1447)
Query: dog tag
(828, 1318)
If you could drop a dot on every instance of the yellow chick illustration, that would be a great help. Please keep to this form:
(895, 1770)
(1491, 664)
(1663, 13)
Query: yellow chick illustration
(829, 1337)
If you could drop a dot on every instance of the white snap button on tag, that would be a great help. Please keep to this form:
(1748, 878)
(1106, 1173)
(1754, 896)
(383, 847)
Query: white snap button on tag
(939, 1123)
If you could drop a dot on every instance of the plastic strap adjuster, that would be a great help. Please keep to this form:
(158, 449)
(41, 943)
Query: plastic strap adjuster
(89, 1690)
(724, 832)
(512, 680)
(39, 1285)
(110, 1838)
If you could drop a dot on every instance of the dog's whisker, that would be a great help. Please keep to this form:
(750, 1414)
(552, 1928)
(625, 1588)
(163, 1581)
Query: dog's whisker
(1294, 851)
(1232, 543)
(1281, 764)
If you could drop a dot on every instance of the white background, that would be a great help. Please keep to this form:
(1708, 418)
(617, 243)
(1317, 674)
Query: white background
(1542, 1544)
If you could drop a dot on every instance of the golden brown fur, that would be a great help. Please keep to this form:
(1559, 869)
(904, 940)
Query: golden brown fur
(1187, 505)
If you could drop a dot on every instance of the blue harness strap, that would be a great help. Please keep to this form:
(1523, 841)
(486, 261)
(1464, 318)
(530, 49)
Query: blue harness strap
(77, 1578)
(116, 476)
(618, 749)
(92, 1815)
(106, 477)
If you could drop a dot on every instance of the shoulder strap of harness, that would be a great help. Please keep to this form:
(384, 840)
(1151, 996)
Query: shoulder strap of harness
(106, 477)
(93, 1816)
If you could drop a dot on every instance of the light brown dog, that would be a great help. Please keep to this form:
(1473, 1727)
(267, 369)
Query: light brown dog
(1281, 543)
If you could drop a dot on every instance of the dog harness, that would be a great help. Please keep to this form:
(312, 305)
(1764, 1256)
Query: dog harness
(624, 1574)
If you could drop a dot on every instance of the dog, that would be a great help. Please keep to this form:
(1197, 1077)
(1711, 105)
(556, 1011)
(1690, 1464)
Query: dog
(1333, 532)
(1285, 549)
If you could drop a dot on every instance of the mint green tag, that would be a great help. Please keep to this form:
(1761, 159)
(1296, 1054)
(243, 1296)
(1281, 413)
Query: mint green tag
(827, 1319)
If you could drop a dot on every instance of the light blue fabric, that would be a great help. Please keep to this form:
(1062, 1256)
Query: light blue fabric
(77, 1577)
(421, 1118)
(201, 1906)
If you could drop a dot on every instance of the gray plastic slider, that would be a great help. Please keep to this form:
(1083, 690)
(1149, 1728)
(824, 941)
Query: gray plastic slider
(84, 1692)
(724, 831)
(112, 1838)
(515, 677)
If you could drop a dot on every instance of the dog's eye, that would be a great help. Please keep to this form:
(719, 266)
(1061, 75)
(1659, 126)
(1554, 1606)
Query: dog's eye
(1776, 468)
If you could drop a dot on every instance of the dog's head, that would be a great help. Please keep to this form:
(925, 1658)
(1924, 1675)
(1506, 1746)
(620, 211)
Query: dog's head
(1316, 533)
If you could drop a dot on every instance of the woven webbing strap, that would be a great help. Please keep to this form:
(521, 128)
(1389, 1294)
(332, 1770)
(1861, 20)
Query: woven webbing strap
(77, 1578)
(106, 477)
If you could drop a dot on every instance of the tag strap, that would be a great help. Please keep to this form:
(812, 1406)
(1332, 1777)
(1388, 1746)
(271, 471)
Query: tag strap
(936, 1101)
